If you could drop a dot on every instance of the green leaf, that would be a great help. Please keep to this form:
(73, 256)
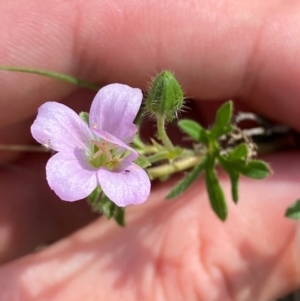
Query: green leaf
(215, 192)
(239, 152)
(234, 179)
(224, 114)
(293, 211)
(255, 169)
(110, 210)
(193, 129)
(223, 118)
(233, 175)
(107, 207)
(95, 195)
(142, 161)
(187, 180)
(102, 204)
(119, 216)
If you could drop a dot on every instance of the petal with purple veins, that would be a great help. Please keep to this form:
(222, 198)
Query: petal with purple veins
(70, 176)
(114, 108)
(60, 128)
(132, 186)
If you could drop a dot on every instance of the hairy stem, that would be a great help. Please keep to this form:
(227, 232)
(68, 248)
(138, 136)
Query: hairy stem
(162, 134)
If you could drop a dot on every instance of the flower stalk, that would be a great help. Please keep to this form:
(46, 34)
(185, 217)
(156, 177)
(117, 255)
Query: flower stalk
(162, 134)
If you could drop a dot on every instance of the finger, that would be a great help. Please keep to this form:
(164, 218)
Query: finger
(31, 216)
(175, 250)
(233, 49)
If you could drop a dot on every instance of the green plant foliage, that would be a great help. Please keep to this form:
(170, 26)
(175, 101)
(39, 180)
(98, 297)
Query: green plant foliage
(187, 180)
(138, 143)
(238, 153)
(142, 161)
(235, 164)
(222, 123)
(214, 190)
(293, 211)
(102, 204)
(193, 129)
(94, 197)
(110, 210)
(255, 169)
(234, 179)
(233, 175)
(164, 101)
(224, 114)
(55, 75)
(107, 207)
(119, 216)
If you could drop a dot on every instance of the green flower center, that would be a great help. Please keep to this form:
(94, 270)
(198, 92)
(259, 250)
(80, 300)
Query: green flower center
(104, 154)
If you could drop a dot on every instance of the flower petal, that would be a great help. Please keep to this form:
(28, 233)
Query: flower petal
(114, 108)
(70, 176)
(131, 186)
(60, 128)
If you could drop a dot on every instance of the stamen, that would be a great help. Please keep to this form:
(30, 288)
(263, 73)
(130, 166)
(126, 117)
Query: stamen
(103, 147)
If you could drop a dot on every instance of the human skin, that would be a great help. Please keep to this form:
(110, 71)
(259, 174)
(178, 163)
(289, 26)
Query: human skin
(179, 250)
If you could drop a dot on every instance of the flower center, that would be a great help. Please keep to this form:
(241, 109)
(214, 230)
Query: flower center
(105, 154)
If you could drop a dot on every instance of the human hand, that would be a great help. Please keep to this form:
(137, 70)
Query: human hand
(169, 250)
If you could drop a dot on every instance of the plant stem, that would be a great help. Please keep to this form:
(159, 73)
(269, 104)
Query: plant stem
(169, 169)
(158, 156)
(59, 76)
(22, 148)
(148, 149)
(162, 134)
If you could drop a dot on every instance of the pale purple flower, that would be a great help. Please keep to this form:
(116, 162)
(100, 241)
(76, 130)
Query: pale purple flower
(94, 154)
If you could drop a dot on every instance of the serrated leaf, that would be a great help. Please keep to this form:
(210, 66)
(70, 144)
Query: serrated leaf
(187, 180)
(142, 161)
(193, 129)
(215, 192)
(223, 118)
(255, 169)
(293, 211)
(239, 152)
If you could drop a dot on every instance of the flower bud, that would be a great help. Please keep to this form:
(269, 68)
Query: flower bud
(165, 97)
(85, 117)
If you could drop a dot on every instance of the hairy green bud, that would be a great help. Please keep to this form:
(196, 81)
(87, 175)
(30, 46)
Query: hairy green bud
(165, 97)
